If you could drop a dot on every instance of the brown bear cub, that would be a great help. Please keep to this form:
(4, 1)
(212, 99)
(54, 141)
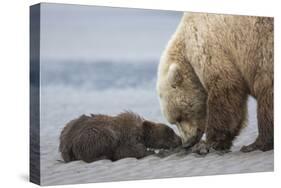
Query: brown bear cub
(95, 137)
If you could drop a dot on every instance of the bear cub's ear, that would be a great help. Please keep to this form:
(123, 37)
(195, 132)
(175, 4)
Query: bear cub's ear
(147, 126)
(174, 75)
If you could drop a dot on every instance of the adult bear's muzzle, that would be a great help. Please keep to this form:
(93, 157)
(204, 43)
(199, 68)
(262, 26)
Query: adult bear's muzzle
(189, 133)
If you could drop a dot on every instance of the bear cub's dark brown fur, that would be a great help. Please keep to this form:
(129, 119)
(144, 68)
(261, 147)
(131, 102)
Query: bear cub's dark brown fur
(95, 137)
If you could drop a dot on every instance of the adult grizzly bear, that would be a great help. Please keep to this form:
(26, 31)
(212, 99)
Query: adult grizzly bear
(95, 137)
(208, 69)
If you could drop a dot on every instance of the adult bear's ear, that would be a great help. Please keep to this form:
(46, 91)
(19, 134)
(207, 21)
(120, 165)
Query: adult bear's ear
(174, 75)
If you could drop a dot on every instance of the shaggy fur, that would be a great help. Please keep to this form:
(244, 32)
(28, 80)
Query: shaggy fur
(210, 66)
(90, 138)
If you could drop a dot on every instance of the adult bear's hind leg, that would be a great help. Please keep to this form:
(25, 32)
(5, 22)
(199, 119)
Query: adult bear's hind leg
(264, 140)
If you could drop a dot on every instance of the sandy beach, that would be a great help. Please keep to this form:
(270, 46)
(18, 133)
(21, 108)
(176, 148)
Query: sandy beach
(58, 108)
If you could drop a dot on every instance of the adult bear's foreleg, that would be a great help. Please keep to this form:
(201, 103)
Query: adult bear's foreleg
(226, 113)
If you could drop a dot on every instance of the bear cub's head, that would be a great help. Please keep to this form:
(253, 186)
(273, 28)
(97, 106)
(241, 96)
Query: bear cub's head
(159, 136)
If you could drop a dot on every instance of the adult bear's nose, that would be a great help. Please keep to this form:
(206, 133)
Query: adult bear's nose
(190, 134)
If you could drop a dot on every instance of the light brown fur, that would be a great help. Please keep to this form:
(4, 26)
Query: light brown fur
(210, 66)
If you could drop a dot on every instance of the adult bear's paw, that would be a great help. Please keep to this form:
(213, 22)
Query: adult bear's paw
(201, 148)
(258, 145)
